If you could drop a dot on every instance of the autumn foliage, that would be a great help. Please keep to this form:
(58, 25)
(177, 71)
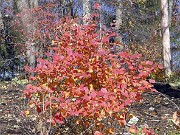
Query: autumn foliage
(81, 77)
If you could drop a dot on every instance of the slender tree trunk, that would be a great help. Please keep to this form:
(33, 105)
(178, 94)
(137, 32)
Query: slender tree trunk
(86, 11)
(118, 19)
(166, 37)
(118, 25)
(1, 21)
(171, 3)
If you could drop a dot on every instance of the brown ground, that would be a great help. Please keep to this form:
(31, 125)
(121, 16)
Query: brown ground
(165, 103)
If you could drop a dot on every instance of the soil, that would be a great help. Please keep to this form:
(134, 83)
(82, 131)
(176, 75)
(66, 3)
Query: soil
(155, 111)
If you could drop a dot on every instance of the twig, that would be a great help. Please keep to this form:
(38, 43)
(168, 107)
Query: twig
(154, 120)
(150, 114)
(170, 100)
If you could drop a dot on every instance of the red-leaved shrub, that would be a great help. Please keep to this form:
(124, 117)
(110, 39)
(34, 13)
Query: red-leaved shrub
(81, 77)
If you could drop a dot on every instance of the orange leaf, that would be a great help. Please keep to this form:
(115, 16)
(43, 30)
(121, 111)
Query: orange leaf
(133, 129)
(110, 131)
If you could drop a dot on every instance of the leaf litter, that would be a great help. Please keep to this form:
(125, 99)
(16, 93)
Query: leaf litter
(158, 111)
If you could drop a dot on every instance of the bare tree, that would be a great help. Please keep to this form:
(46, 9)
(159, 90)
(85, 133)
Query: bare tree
(119, 18)
(23, 6)
(1, 21)
(1, 38)
(86, 10)
(170, 4)
(166, 37)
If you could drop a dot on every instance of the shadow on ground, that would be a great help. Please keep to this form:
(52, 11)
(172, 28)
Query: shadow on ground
(168, 90)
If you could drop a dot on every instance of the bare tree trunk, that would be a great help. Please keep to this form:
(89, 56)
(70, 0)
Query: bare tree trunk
(118, 25)
(22, 6)
(171, 3)
(1, 36)
(166, 37)
(86, 10)
(1, 21)
(118, 19)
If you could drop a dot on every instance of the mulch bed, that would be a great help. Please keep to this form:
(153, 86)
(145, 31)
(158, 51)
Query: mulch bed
(154, 112)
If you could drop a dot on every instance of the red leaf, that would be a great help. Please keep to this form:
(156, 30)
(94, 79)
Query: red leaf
(135, 84)
(85, 97)
(135, 56)
(103, 90)
(121, 106)
(56, 57)
(127, 102)
(143, 74)
(97, 133)
(145, 130)
(123, 87)
(153, 90)
(152, 81)
(112, 34)
(123, 54)
(93, 94)
(58, 120)
(86, 90)
(149, 62)
(121, 71)
(40, 60)
(106, 39)
(102, 52)
(73, 112)
(160, 66)
(38, 109)
(97, 5)
(69, 52)
(95, 15)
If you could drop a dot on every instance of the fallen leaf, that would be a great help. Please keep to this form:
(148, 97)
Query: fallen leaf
(27, 112)
(176, 119)
(110, 131)
(133, 129)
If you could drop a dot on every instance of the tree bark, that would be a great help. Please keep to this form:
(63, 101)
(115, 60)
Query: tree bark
(118, 24)
(118, 17)
(1, 29)
(86, 11)
(1, 21)
(166, 37)
(29, 25)
(171, 3)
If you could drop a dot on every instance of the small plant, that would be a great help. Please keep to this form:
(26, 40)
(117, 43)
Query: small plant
(175, 77)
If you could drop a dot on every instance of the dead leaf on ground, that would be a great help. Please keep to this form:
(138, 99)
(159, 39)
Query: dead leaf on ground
(176, 119)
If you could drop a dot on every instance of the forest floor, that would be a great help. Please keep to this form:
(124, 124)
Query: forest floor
(155, 111)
